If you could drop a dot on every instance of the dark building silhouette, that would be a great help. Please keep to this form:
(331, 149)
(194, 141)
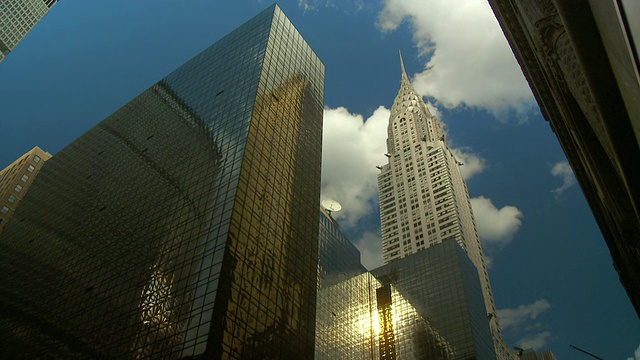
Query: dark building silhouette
(184, 225)
(581, 61)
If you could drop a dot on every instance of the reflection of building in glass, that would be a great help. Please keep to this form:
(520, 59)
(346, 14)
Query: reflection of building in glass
(16, 179)
(360, 318)
(344, 328)
(424, 200)
(184, 224)
(442, 285)
(582, 62)
(17, 18)
(428, 305)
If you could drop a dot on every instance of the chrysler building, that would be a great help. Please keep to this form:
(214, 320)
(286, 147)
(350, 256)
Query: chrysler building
(423, 198)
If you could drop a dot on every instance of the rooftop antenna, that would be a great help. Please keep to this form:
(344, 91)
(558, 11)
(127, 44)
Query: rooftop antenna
(404, 72)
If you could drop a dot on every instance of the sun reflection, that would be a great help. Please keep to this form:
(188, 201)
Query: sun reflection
(375, 323)
(369, 324)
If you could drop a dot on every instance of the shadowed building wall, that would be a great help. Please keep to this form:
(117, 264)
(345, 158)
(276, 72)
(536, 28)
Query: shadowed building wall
(582, 64)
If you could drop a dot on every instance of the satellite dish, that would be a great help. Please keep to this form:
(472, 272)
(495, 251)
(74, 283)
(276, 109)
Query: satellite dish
(331, 205)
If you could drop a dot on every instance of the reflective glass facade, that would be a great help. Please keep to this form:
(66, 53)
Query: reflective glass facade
(338, 259)
(344, 325)
(184, 224)
(442, 285)
(362, 318)
(17, 18)
(428, 305)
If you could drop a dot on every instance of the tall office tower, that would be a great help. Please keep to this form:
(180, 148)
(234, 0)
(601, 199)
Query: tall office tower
(16, 179)
(428, 305)
(582, 62)
(185, 224)
(17, 18)
(423, 198)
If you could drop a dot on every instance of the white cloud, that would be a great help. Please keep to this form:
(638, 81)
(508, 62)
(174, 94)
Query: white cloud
(370, 246)
(353, 147)
(510, 318)
(307, 5)
(636, 354)
(471, 62)
(520, 319)
(535, 341)
(472, 164)
(312, 5)
(563, 170)
(435, 112)
(350, 152)
(496, 227)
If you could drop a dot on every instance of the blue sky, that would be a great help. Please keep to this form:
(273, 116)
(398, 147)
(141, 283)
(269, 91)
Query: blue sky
(550, 269)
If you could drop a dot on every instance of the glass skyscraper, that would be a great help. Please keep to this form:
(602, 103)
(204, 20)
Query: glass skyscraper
(428, 305)
(185, 223)
(17, 18)
(424, 200)
(442, 285)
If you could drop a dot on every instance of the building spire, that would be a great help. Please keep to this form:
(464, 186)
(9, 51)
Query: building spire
(409, 98)
(404, 72)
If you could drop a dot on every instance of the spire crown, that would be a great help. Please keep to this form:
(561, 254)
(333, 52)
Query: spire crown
(404, 72)
(410, 101)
